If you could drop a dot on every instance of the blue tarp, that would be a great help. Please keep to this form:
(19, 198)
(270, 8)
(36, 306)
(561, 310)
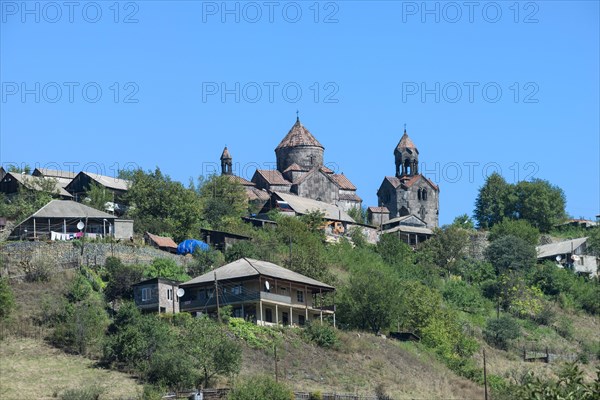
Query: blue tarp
(191, 245)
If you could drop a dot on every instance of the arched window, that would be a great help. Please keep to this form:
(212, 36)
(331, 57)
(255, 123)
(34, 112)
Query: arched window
(419, 193)
(424, 194)
(407, 169)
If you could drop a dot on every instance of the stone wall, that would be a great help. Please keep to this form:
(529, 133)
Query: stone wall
(15, 257)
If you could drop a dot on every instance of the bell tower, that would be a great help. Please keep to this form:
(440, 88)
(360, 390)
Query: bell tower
(406, 156)
(226, 163)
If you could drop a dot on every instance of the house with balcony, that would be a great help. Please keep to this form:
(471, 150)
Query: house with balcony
(259, 291)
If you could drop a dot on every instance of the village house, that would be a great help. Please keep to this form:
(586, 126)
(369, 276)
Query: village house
(157, 295)
(259, 291)
(82, 182)
(161, 242)
(13, 183)
(570, 254)
(59, 220)
(219, 240)
(62, 177)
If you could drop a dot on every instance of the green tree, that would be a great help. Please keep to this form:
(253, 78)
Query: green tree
(445, 249)
(358, 214)
(499, 332)
(7, 299)
(370, 299)
(540, 203)
(464, 221)
(260, 388)
(519, 228)
(394, 251)
(593, 243)
(121, 277)
(167, 268)
(162, 206)
(570, 385)
(211, 351)
(221, 199)
(494, 201)
(97, 196)
(511, 253)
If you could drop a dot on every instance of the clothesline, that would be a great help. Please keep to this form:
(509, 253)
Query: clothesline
(72, 236)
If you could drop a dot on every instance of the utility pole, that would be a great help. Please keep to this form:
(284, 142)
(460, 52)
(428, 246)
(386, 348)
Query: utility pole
(485, 376)
(217, 294)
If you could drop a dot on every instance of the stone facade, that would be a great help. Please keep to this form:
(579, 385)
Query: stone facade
(157, 295)
(409, 192)
(300, 170)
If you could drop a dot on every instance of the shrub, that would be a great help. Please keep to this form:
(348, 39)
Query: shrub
(323, 335)
(499, 332)
(7, 299)
(260, 388)
(92, 392)
(39, 269)
(463, 296)
(315, 396)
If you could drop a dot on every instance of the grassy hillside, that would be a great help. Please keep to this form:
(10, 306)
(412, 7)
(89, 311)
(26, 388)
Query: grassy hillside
(31, 369)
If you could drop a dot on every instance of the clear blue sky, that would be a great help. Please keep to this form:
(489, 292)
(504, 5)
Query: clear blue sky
(481, 86)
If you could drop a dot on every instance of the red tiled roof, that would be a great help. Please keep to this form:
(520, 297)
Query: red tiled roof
(298, 136)
(378, 210)
(409, 180)
(394, 181)
(343, 182)
(273, 177)
(162, 241)
(326, 170)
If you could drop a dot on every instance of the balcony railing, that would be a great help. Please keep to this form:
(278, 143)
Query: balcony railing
(233, 297)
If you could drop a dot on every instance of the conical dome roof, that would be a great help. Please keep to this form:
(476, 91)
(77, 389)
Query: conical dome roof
(406, 142)
(299, 136)
(225, 155)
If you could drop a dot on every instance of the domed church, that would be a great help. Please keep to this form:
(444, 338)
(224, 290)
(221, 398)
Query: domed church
(301, 171)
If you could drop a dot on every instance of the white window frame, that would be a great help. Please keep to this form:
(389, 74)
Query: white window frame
(146, 294)
(300, 296)
(170, 294)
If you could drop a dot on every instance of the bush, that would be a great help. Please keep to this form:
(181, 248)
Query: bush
(260, 388)
(323, 335)
(463, 296)
(7, 299)
(315, 396)
(39, 269)
(87, 393)
(499, 332)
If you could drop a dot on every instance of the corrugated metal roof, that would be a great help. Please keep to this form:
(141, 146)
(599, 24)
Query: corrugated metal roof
(257, 194)
(273, 177)
(37, 183)
(69, 209)
(409, 229)
(162, 241)
(303, 205)
(54, 173)
(555, 249)
(298, 136)
(108, 181)
(248, 267)
(343, 182)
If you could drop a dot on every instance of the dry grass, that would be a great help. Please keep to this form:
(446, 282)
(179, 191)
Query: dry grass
(31, 369)
(363, 363)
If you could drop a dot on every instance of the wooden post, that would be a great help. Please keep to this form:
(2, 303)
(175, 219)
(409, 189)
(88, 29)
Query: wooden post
(334, 309)
(306, 303)
(34, 230)
(321, 303)
(262, 321)
(485, 376)
(276, 314)
(217, 294)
